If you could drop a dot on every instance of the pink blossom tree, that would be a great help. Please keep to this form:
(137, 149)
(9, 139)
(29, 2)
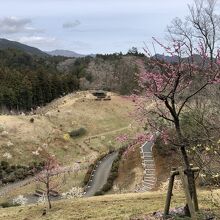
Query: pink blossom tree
(47, 177)
(171, 86)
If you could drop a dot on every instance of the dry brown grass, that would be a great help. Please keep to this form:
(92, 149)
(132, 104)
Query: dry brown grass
(60, 117)
(118, 207)
(104, 121)
(130, 171)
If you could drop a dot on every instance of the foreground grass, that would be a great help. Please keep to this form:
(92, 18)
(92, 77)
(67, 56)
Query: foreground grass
(122, 206)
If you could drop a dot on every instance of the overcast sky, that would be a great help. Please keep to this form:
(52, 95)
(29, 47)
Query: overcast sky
(88, 26)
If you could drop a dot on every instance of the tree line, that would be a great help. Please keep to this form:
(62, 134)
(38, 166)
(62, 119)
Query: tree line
(27, 81)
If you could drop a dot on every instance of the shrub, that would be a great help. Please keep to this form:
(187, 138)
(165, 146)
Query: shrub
(7, 204)
(99, 193)
(20, 174)
(88, 174)
(11, 173)
(4, 164)
(107, 186)
(32, 120)
(113, 176)
(10, 179)
(77, 133)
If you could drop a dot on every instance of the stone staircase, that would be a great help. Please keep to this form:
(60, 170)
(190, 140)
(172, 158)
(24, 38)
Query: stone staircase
(149, 179)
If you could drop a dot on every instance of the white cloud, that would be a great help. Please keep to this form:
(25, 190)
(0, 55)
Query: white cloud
(38, 41)
(12, 25)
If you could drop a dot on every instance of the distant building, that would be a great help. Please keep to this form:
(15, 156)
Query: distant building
(100, 94)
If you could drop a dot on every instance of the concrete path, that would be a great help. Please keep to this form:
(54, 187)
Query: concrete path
(149, 179)
(100, 175)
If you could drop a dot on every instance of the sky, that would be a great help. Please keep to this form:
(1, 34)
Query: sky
(88, 26)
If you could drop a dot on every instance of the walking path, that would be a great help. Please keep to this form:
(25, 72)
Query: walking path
(149, 179)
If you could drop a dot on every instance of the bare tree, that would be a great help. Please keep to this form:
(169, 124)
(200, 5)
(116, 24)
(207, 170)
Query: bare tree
(202, 26)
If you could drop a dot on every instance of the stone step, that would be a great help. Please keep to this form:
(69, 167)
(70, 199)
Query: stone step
(147, 153)
(148, 160)
(145, 172)
(149, 175)
(149, 184)
(148, 164)
(149, 181)
(147, 188)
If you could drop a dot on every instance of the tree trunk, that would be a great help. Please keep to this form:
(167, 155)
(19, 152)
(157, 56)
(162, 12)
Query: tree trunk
(188, 173)
(48, 192)
(48, 199)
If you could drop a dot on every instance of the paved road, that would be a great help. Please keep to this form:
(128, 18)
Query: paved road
(100, 175)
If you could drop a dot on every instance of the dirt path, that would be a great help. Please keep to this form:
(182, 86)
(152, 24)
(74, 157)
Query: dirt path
(100, 175)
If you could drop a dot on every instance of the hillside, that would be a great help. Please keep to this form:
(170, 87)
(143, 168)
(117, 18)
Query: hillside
(122, 206)
(7, 44)
(58, 118)
(103, 122)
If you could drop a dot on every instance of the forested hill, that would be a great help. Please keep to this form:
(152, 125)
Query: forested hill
(28, 81)
(7, 44)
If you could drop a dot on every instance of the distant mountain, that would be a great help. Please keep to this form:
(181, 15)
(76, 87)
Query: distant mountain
(7, 44)
(169, 59)
(67, 53)
(174, 59)
(64, 53)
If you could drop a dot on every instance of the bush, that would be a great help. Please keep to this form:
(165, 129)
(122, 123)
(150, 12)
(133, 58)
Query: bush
(9, 179)
(113, 175)
(32, 120)
(20, 174)
(7, 204)
(11, 173)
(88, 174)
(77, 133)
(107, 186)
(99, 193)
(4, 164)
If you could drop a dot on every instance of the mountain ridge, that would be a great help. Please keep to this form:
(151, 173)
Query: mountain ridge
(67, 53)
(8, 44)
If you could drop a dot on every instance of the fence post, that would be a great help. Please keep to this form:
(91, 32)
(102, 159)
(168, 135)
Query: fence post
(169, 193)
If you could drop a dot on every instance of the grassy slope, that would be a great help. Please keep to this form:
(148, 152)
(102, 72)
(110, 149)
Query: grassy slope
(130, 171)
(122, 206)
(58, 118)
(103, 120)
